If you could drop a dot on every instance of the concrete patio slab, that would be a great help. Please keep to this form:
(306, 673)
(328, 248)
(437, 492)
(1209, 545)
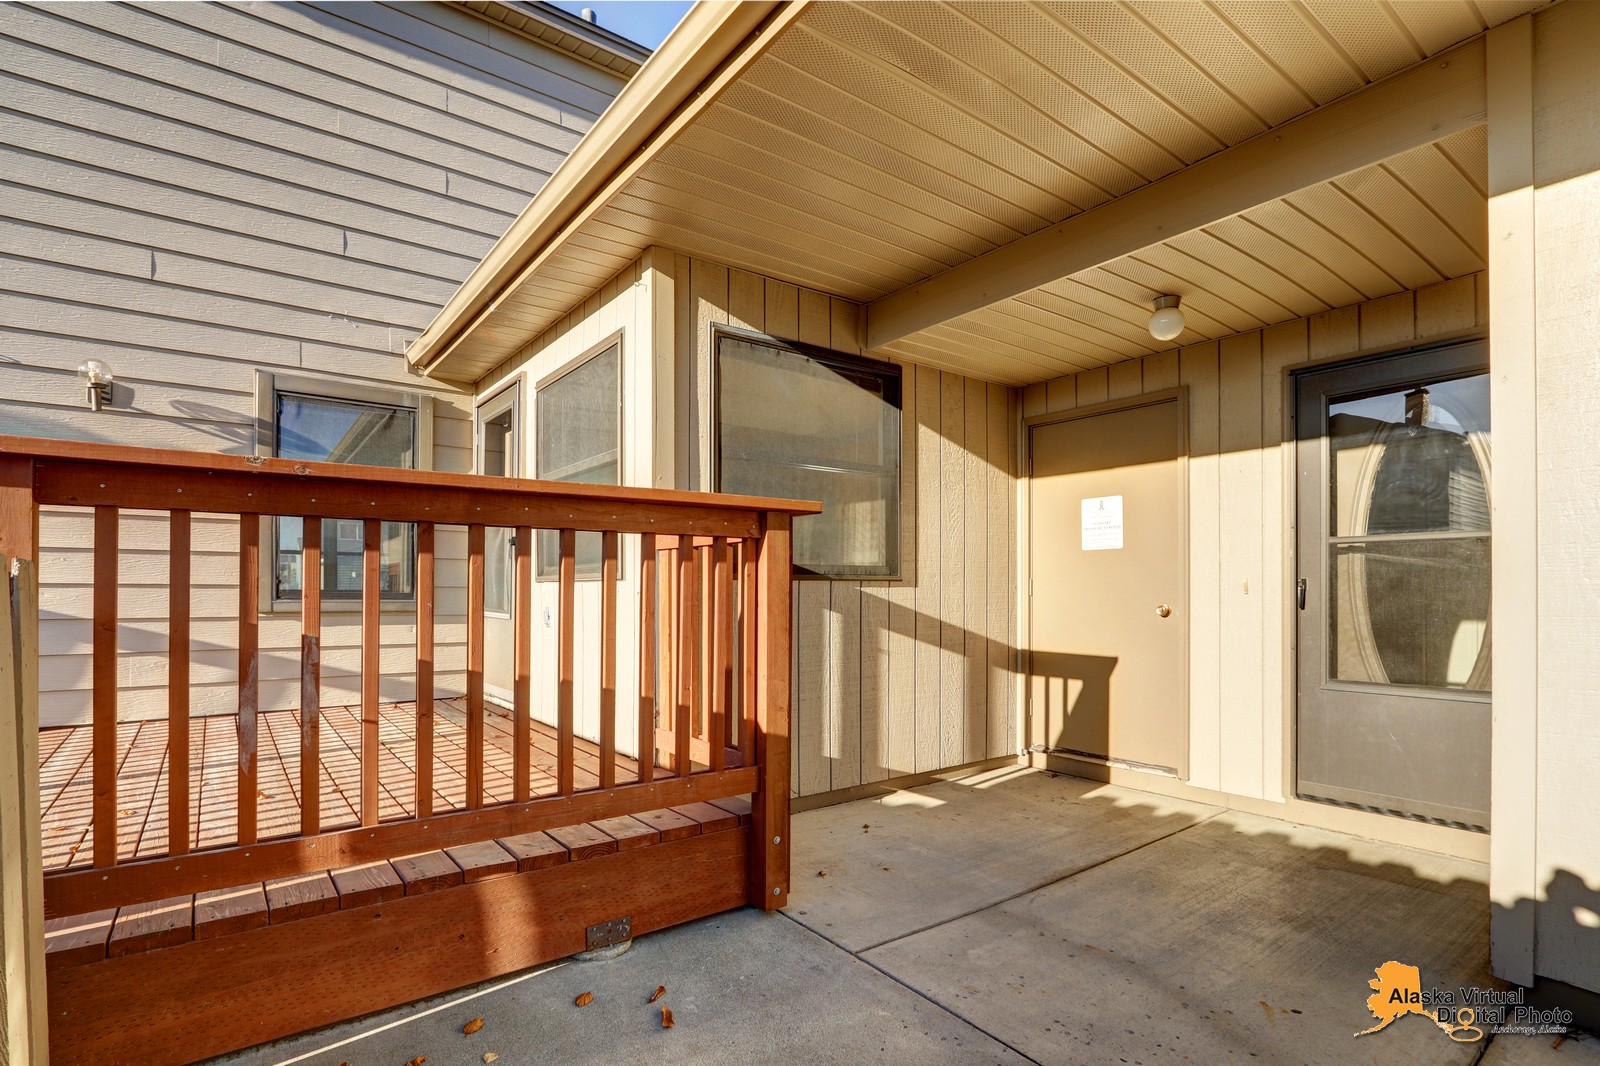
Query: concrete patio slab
(1242, 938)
(913, 859)
(744, 987)
(1165, 933)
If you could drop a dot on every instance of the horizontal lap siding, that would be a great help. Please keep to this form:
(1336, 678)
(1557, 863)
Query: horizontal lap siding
(1241, 502)
(890, 677)
(195, 191)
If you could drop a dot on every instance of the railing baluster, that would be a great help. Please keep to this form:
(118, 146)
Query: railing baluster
(667, 694)
(249, 670)
(522, 657)
(747, 650)
(721, 675)
(648, 591)
(564, 715)
(688, 657)
(105, 686)
(475, 538)
(371, 671)
(424, 707)
(310, 676)
(178, 556)
(608, 660)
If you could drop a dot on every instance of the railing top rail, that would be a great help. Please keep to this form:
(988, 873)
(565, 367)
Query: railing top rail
(197, 471)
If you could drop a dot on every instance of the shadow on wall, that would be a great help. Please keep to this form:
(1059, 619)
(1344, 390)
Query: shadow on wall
(1567, 954)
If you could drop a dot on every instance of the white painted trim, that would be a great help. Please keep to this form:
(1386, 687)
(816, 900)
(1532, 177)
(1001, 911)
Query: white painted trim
(1513, 861)
(1436, 98)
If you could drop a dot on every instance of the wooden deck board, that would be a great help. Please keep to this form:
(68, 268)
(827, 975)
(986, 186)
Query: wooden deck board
(66, 792)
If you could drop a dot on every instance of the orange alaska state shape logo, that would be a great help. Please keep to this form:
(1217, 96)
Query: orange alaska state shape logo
(1397, 991)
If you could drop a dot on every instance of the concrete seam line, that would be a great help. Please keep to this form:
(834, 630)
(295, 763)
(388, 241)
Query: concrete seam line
(957, 1015)
(1042, 886)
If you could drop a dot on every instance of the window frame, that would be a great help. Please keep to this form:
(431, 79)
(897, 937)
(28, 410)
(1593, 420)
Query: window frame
(507, 399)
(542, 571)
(268, 387)
(893, 376)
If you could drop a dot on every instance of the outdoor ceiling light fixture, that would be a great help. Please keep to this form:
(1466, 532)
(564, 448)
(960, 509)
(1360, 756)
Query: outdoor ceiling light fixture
(97, 380)
(1167, 322)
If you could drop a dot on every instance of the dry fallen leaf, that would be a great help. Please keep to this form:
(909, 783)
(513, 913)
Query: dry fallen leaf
(473, 1026)
(491, 1056)
(660, 991)
(585, 999)
(418, 1061)
(666, 1018)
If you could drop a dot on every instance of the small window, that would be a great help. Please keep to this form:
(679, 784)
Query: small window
(327, 430)
(798, 422)
(578, 416)
(499, 455)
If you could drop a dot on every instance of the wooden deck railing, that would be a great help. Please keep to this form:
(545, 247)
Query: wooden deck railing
(712, 574)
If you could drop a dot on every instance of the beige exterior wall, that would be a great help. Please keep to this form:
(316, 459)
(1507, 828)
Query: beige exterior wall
(890, 677)
(196, 192)
(1241, 508)
(624, 309)
(1561, 706)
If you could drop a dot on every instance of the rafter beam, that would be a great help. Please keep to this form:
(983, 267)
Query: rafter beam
(1418, 106)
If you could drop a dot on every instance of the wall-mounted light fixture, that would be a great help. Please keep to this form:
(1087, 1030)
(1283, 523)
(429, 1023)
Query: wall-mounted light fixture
(1167, 322)
(97, 380)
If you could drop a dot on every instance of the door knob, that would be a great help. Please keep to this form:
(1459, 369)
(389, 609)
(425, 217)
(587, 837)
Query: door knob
(1163, 610)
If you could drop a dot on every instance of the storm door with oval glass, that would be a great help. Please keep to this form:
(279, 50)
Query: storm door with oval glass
(1393, 464)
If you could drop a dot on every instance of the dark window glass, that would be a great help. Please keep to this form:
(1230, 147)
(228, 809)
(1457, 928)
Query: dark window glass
(805, 424)
(319, 429)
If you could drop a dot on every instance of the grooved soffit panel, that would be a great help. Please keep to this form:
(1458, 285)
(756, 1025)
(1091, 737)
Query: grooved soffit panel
(876, 145)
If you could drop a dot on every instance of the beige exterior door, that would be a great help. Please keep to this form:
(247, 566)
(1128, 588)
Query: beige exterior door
(1108, 607)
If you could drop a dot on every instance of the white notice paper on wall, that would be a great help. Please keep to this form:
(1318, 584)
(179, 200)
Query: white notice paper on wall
(1102, 523)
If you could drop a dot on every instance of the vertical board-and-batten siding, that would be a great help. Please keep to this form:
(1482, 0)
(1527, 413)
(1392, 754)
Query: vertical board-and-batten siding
(1241, 503)
(195, 191)
(890, 677)
(624, 308)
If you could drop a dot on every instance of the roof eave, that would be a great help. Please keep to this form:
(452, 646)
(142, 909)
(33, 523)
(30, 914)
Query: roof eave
(707, 38)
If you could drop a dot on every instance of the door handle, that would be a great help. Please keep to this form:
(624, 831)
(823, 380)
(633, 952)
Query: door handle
(1163, 610)
(1300, 592)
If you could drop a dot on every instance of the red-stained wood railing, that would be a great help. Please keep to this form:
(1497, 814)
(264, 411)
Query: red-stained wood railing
(710, 573)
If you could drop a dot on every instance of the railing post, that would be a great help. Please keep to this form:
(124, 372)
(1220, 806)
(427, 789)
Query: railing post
(19, 518)
(769, 814)
(23, 1025)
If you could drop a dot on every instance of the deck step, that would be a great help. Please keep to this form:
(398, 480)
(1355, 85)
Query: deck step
(301, 896)
(367, 884)
(427, 871)
(147, 926)
(80, 939)
(479, 862)
(221, 911)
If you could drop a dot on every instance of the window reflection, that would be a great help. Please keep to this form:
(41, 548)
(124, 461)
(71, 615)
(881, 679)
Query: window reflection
(1409, 553)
